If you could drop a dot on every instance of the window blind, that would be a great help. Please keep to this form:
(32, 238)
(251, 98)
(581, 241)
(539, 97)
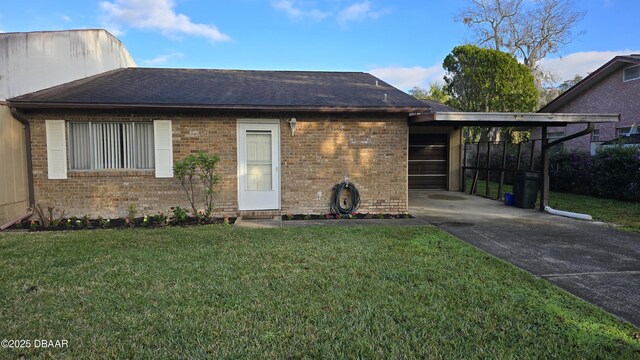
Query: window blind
(111, 145)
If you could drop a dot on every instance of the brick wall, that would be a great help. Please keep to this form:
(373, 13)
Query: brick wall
(110, 192)
(611, 95)
(373, 153)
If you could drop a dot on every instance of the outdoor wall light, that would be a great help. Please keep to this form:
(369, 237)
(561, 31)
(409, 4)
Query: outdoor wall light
(293, 124)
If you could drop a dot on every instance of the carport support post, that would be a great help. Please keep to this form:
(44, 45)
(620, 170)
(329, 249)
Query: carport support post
(544, 187)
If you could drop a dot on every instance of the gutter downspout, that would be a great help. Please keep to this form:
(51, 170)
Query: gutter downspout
(27, 134)
(568, 214)
(544, 190)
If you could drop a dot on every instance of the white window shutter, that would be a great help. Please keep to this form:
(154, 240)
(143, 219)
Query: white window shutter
(163, 142)
(56, 149)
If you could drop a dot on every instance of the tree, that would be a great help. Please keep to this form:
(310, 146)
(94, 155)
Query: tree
(436, 92)
(529, 30)
(484, 80)
(548, 93)
(567, 84)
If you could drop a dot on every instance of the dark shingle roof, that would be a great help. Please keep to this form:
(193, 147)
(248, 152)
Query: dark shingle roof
(225, 89)
(439, 107)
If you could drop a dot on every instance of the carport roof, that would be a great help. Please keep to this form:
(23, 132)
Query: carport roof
(496, 119)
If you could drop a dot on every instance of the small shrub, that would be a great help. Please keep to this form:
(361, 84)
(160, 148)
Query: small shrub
(86, 221)
(159, 218)
(180, 215)
(307, 217)
(131, 214)
(103, 223)
(200, 166)
(48, 218)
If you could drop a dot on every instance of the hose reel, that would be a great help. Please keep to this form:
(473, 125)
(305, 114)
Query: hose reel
(351, 206)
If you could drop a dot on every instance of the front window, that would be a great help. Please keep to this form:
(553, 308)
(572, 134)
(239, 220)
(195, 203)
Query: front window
(111, 145)
(595, 135)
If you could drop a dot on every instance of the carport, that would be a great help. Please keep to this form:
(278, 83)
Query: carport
(456, 120)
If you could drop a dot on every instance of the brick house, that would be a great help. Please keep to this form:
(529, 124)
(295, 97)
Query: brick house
(284, 139)
(613, 88)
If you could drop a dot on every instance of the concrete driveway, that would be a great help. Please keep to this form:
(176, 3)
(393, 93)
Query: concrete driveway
(590, 260)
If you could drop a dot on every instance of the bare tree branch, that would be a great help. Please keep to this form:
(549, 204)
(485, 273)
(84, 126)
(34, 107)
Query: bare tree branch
(529, 30)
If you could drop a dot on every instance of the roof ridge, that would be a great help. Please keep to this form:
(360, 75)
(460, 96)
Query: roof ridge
(253, 70)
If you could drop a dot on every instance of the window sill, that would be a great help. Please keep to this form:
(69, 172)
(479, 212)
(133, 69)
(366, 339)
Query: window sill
(108, 173)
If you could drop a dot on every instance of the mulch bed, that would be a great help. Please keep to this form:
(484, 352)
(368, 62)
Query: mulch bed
(119, 223)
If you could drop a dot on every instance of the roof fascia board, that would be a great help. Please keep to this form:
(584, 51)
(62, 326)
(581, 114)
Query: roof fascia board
(81, 106)
(509, 119)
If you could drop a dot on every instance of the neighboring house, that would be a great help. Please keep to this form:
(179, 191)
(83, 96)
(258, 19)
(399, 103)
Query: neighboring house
(613, 88)
(31, 61)
(102, 143)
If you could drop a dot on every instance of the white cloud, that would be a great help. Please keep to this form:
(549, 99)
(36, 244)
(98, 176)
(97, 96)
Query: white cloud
(359, 11)
(66, 18)
(296, 12)
(581, 63)
(155, 15)
(307, 10)
(405, 78)
(162, 59)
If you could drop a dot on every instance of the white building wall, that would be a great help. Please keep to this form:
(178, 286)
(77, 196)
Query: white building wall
(31, 61)
(34, 61)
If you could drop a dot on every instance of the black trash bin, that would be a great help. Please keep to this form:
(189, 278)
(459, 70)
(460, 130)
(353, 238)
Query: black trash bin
(525, 189)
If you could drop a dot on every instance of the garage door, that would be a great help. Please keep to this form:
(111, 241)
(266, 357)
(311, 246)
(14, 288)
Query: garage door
(428, 161)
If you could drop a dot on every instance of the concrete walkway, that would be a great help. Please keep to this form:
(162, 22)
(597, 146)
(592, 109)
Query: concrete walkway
(590, 260)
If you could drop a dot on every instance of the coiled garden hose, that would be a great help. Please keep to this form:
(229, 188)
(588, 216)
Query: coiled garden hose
(336, 207)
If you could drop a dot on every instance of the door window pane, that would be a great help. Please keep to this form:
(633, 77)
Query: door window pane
(259, 164)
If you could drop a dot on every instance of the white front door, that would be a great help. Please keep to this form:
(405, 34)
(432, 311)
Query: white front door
(258, 165)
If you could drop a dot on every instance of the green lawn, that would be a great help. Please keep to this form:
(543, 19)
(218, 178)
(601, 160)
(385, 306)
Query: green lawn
(376, 292)
(623, 213)
(626, 214)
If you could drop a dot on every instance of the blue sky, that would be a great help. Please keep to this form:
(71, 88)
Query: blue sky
(403, 42)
